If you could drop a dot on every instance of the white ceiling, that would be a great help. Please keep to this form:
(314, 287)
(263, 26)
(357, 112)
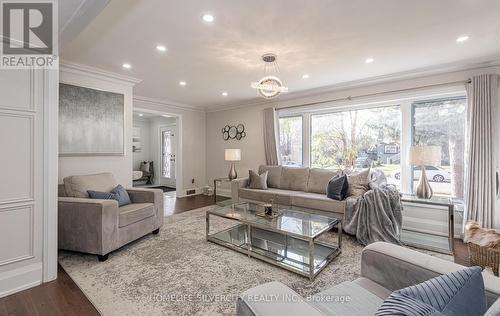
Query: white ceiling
(327, 39)
(147, 115)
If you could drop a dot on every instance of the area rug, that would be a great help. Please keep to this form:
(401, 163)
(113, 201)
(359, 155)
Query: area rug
(179, 273)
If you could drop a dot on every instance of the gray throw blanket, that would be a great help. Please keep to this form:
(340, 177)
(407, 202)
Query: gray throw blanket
(375, 216)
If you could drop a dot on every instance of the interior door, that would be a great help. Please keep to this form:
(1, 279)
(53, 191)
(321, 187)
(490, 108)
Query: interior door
(168, 137)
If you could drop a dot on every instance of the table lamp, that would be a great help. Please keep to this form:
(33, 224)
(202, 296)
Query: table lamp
(232, 155)
(425, 156)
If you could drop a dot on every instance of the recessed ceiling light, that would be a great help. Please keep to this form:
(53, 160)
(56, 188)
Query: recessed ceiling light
(182, 83)
(140, 114)
(126, 66)
(305, 76)
(208, 18)
(224, 94)
(166, 115)
(462, 38)
(369, 60)
(161, 48)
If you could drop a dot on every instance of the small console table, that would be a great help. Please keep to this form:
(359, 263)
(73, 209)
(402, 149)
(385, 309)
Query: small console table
(428, 223)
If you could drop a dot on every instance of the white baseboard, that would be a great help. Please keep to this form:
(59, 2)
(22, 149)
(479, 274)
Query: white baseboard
(198, 191)
(20, 279)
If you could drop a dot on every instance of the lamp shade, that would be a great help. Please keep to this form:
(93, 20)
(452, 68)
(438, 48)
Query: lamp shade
(425, 155)
(233, 155)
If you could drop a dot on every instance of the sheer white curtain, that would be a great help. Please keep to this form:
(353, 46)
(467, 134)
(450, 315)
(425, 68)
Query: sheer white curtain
(270, 137)
(482, 130)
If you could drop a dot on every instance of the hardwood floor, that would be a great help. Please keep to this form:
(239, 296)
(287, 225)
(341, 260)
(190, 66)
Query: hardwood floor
(178, 205)
(63, 297)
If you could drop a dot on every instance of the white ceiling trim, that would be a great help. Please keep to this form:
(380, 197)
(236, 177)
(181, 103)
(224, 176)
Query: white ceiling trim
(170, 104)
(96, 72)
(405, 75)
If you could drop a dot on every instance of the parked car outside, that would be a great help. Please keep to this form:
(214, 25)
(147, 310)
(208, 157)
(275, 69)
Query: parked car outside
(434, 174)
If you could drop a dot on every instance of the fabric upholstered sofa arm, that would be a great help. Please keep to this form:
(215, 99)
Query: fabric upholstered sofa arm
(273, 298)
(395, 267)
(236, 185)
(145, 195)
(87, 225)
(154, 196)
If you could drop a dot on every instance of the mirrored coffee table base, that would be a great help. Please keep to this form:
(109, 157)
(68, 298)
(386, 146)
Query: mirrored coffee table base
(300, 254)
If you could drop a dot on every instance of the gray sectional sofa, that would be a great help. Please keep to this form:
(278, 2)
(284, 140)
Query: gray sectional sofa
(301, 187)
(384, 268)
(98, 226)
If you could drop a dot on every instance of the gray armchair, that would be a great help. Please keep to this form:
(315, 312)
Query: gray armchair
(99, 226)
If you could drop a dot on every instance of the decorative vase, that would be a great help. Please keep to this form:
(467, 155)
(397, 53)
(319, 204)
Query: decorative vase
(424, 190)
(232, 172)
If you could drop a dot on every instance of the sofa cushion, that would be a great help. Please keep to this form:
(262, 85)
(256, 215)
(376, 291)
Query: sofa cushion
(359, 182)
(337, 188)
(121, 195)
(316, 201)
(403, 305)
(277, 195)
(456, 293)
(294, 179)
(77, 186)
(133, 213)
(373, 287)
(319, 178)
(257, 181)
(102, 195)
(273, 175)
(347, 298)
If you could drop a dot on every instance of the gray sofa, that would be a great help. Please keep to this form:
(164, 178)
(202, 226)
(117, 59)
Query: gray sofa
(301, 187)
(384, 268)
(99, 226)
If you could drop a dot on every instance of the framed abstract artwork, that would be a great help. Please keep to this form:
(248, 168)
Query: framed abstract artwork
(91, 122)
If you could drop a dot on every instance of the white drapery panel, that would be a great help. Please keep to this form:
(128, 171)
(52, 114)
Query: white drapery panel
(270, 132)
(481, 156)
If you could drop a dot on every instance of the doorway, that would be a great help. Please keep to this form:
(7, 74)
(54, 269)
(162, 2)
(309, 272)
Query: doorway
(168, 145)
(157, 139)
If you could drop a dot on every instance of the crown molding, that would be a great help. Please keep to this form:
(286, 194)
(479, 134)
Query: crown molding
(443, 69)
(81, 69)
(170, 104)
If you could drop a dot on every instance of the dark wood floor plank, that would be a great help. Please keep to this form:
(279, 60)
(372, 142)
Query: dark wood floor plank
(63, 297)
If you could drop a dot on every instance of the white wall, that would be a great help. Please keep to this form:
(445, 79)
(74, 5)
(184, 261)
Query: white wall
(251, 115)
(145, 154)
(191, 123)
(252, 145)
(120, 166)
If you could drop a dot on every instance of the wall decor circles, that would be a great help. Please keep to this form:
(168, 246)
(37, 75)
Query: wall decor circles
(233, 132)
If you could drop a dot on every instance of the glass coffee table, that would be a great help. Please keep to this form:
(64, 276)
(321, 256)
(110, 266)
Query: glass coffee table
(289, 240)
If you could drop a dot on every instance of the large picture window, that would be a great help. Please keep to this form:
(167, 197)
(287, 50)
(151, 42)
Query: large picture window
(291, 141)
(442, 123)
(380, 137)
(358, 139)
